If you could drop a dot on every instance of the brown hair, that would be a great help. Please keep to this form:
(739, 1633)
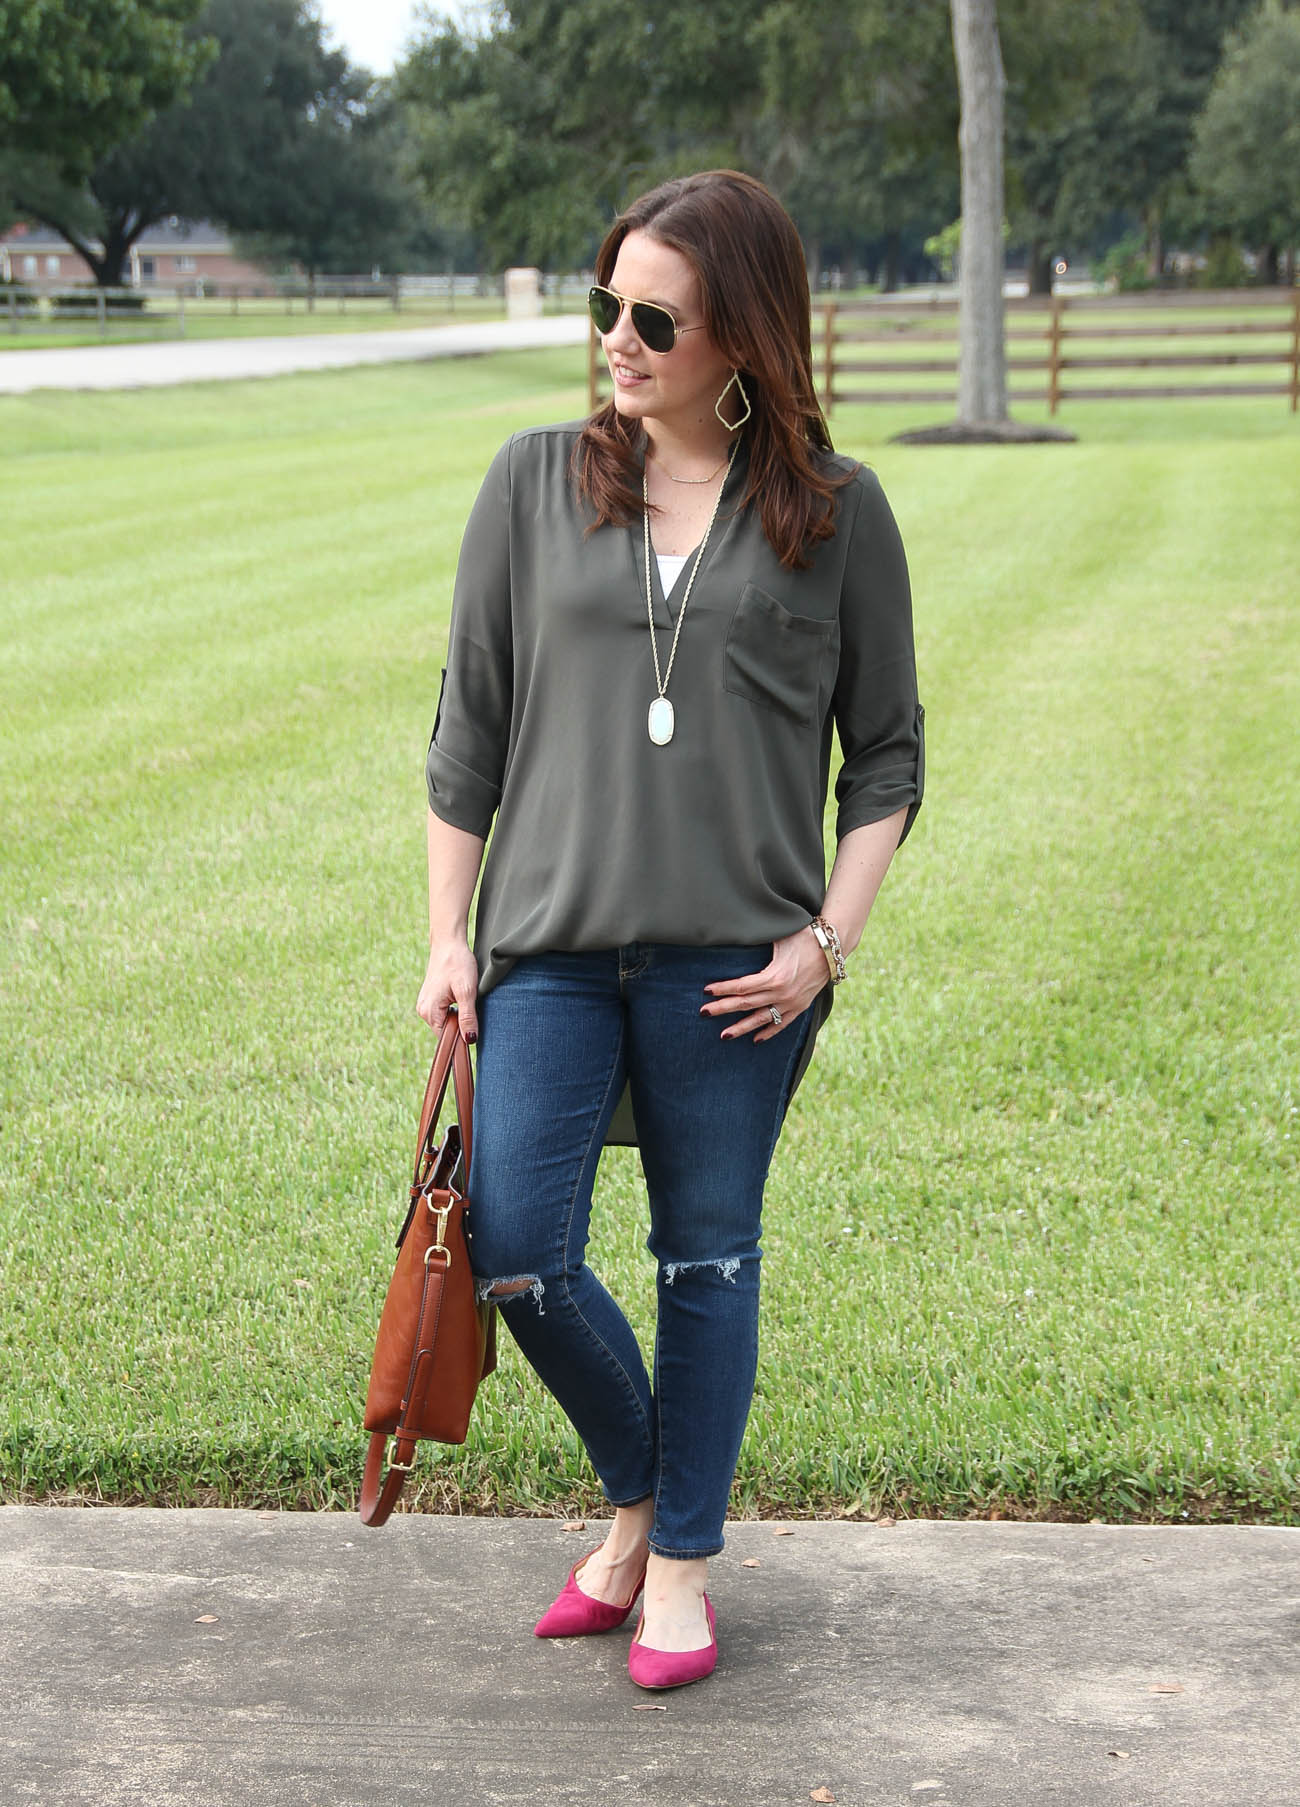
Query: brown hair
(744, 249)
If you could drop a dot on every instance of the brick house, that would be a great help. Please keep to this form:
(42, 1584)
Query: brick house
(177, 254)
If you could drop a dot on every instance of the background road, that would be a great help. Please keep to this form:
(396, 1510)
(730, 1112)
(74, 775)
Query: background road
(146, 366)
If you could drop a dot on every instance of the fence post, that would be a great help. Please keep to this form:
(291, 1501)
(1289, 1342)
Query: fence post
(101, 309)
(397, 294)
(1295, 351)
(1054, 356)
(828, 364)
(13, 309)
(180, 312)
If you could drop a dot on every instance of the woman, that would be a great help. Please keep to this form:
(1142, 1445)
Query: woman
(660, 614)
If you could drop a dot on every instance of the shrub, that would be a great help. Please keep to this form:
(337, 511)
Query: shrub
(1225, 268)
(1124, 266)
(86, 301)
(13, 296)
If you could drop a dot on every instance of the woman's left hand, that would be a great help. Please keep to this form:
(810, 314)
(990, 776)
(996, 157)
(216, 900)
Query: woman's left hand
(788, 983)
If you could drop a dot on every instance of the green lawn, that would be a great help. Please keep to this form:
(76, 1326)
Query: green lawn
(1031, 1239)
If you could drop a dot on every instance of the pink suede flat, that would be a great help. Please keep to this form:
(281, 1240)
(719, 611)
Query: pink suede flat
(672, 1668)
(574, 1614)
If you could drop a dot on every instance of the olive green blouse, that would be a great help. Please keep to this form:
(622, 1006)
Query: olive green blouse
(603, 838)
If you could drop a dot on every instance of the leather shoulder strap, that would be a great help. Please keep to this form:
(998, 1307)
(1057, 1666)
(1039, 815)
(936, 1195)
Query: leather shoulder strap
(378, 1497)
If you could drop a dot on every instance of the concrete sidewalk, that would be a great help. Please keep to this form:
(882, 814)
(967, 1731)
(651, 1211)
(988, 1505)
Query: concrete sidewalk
(228, 1659)
(145, 366)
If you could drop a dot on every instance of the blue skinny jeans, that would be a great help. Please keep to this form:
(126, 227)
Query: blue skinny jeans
(558, 1038)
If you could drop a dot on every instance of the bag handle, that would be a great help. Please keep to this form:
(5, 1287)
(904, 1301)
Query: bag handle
(450, 1062)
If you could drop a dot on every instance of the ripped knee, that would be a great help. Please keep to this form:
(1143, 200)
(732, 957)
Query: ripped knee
(726, 1269)
(497, 1291)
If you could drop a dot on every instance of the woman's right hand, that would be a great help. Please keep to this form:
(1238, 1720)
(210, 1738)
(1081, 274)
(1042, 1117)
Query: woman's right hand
(451, 978)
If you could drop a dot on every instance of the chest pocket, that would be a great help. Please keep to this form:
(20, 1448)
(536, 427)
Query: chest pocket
(777, 659)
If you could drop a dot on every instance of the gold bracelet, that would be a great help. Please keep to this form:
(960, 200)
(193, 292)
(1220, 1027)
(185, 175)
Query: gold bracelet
(829, 942)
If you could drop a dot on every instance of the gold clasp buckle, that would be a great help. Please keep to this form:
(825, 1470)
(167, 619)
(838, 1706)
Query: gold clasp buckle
(439, 1245)
(396, 1439)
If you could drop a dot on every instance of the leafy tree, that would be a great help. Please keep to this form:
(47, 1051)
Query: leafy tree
(1246, 156)
(341, 202)
(77, 79)
(1056, 52)
(1141, 117)
(280, 137)
(533, 132)
(485, 152)
(883, 72)
(858, 121)
(536, 130)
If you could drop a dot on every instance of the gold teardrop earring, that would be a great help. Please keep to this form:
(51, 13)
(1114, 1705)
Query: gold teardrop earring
(733, 425)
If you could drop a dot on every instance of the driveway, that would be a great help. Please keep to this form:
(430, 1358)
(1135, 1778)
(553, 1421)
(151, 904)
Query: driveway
(147, 366)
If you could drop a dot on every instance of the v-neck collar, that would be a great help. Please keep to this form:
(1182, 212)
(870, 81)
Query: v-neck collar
(724, 526)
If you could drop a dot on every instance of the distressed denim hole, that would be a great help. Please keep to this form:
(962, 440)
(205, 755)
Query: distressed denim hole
(512, 1288)
(727, 1269)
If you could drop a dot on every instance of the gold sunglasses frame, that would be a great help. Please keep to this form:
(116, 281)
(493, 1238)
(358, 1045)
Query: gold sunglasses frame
(627, 302)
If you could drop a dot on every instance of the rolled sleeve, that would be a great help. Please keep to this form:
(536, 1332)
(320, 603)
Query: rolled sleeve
(878, 717)
(467, 752)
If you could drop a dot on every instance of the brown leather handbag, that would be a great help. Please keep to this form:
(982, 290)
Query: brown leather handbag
(436, 1340)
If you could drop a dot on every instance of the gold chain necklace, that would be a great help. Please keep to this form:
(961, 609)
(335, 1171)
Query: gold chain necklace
(695, 482)
(662, 720)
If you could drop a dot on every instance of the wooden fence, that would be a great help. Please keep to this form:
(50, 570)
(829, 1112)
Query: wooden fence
(157, 309)
(24, 305)
(868, 351)
(921, 333)
(40, 305)
(1123, 325)
(162, 311)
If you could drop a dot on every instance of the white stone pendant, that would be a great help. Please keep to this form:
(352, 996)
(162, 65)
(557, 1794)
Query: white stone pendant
(660, 721)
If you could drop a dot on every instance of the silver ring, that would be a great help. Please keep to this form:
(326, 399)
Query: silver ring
(775, 1015)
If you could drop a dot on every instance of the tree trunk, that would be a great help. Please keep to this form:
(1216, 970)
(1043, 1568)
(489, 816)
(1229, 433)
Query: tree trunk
(814, 265)
(118, 240)
(108, 260)
(1040, 268)
(982, 376)
(1270, 266)
(889, 274)
(1155, 245)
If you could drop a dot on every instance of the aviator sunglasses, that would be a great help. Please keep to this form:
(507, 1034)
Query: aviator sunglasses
(653, 325)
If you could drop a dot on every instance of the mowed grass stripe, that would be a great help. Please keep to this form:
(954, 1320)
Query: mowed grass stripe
(1029, 1245)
